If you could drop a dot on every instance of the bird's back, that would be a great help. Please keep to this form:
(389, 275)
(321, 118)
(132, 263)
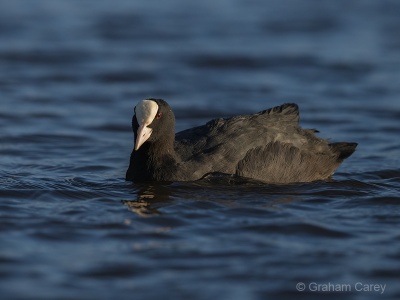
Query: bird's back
(268, 146)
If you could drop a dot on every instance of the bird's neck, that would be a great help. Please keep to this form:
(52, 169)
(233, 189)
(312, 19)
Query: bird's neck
(153, 161)
(158, 151)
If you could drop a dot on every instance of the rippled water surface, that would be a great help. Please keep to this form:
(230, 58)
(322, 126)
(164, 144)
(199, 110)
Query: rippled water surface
(72, 228)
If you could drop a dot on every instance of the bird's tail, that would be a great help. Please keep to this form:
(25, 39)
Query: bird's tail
(344, 150)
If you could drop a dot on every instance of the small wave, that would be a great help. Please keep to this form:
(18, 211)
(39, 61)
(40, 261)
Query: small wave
(125, 77)
(383, 174)
(299, 229)
(44, 57)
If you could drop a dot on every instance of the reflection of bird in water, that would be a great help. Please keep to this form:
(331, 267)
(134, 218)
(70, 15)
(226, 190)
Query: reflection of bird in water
(227, 192)
(141, 207)
(148, 196)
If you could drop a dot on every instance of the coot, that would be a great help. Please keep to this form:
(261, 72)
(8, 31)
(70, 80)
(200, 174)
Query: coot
(269, 146)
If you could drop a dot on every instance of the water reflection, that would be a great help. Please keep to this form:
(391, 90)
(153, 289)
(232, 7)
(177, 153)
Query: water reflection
(212, 192)
(147, 198)
(227, 192)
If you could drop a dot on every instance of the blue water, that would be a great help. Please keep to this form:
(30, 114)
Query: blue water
(70, 75)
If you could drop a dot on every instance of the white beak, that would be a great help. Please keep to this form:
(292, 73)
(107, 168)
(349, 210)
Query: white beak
(142, 135)
(146, 111)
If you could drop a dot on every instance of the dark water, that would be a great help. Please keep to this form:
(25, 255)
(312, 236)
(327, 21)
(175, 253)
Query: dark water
(70, 74)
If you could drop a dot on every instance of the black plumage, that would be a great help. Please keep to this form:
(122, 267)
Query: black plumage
(269, 146)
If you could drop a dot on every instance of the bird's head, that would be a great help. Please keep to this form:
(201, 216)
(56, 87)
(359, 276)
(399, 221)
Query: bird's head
(153, 121)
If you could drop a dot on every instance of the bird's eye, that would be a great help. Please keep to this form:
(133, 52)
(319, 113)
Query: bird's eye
(159, 115)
